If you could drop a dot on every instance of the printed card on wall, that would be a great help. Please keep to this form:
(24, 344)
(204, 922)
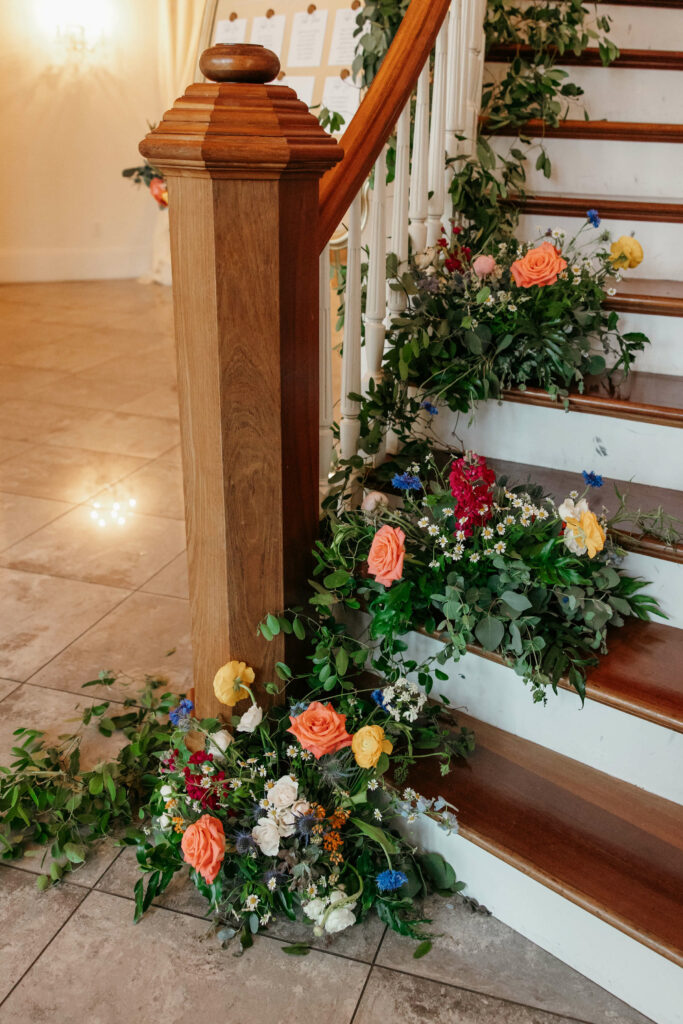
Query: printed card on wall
(341, 97)
(307, 40)
(269, 32)
(303, 86)
(234, 31)
(343, 46)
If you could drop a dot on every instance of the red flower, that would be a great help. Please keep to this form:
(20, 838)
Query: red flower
(472, 483)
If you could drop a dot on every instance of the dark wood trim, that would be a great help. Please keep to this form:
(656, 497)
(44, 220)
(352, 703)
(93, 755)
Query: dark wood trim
(605, 845)
(374, 121)
(650, 60)
(609, 209)
(674, 5)
(617, 131)
(656, 298)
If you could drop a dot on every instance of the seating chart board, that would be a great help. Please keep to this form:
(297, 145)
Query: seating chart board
(315, 44)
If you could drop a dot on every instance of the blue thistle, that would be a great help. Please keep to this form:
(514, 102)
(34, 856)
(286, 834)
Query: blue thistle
(591, 479)
(389, 880)
(180, 716)
(244, 844)
(431, 409)
(298, 708)
(304, 826)
(406, 482)
(593, 217)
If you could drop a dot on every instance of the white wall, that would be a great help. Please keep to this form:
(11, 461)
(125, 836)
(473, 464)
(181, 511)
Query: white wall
(70, 123)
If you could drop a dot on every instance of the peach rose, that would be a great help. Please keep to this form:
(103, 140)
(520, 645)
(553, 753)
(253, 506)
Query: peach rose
(369, 744)
(484, 266)
(320, 729)
(385, 561)
(539, 266)
(203, 846)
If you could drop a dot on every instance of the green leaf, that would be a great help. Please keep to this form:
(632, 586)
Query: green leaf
(284, 671)
(337, 579)
(489, 632)
(439, 871)
(299, 630)
(422, 949)
(75, 852)
(273, 624)
(341, 661)
(42, 883)
(297, 949)
(378, 835)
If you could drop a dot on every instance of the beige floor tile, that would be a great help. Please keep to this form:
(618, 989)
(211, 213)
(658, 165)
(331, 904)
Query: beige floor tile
(135, 639)
(173, 455)
(19, 381)
(156, 488)
(100, 857)
(8, 449)
(6, 687)
(405, 999)
(94, 394)
(67, 474)
(118, 555)
(483, 954)
(70, 354)
(56, 714)
(160, 402)
(103, 969)
(41, 615)
(156, 368)
(25, 419)
(20, 516)
(28, 921)
(171, 581)
(107, 431)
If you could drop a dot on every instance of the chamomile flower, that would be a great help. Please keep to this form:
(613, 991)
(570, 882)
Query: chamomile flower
(542, 513)
(410, 818)
(499, 548)
(272, 884)
(261, 771)
(576, 270)
(490, 301)
(475, 556)
(377, 814)
(433, 564)
(525, 521)
(611, 291)
(463, 520)
(423, 523)
(432, 530)
(500, 528)
(512, 308)
(263, 921)
(517, 502)
(573, 495)
(264, 803)
(269, 784)
(458, 549)
(509, 520)
(251, 902)
(292, 751)
(558, 233)
(487, 533)
(443, 541)
(509, 495)
(528, 509)
(409, 793)
(311, 890)
(373, 785)
(460, 535)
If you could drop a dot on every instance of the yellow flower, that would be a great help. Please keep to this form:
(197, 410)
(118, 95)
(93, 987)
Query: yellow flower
(226, 683)
(626, 252)
(587, 533)
(368, 745)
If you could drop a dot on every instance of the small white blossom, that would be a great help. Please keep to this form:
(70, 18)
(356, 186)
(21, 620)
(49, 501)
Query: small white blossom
(372, 785)
(423, 523)
(499, 547)
(433, 564)
(512, 308)
(500, 528)
(611, 291)
(542, 513)
(509, 520)
(573, 495)
(251, 902)
(460, 535)
(377, 814)
(487, 533)
(433, 530)
(475, 556)
(272, 884)
(292, 751)
(458, 549)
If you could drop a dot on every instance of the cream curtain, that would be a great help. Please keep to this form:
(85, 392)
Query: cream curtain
(180, 22)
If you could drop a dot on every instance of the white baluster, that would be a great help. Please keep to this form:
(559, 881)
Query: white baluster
(326, 396)
(375, 304)
(399, 214)
(437, 145)
(453, 56)
(420, 165)
(475, 71)
(349, 428)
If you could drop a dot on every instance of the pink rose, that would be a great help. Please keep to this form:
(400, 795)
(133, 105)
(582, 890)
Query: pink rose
(484, 266)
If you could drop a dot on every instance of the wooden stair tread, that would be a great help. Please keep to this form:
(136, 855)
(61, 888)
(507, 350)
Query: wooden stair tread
(607, 846)
(646, 397)
(660, 60)
(610, 208)
(558, 483)
(653, 297)
(619, 131)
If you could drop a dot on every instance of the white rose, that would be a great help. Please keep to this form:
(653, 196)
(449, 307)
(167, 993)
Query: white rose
(569, 510)
(339, 919)
(164, 821)
(574, 544)
(315, 909)
(426, 258)
(250, 719)
(219, 742)
(284, 792)
(266, 836)
(338, 895)
(300, 807)
(374, 500)
(166, 791)
(284, 820)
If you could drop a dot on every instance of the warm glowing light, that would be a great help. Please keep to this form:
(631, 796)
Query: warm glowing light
(132, 502)
(122, 520)
(102, 522)
(93, 514)
(96, 504)
(116, 506)
(78, 24)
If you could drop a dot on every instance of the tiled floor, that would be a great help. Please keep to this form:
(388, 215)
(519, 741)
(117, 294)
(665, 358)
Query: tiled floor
(88, 422)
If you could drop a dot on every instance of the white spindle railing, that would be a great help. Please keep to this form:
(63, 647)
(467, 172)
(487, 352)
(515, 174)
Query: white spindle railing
(326, 442)
(421, 206)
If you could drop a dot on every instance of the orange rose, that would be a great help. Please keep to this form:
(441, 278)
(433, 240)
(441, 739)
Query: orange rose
(385, 561)
(540, 266)
(203, 846)
(320, 729)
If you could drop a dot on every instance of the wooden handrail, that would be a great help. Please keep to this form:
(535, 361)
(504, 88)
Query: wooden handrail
(373, 123)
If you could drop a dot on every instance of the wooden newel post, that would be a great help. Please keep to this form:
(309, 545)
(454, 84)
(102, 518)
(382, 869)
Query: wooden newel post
(243, 160)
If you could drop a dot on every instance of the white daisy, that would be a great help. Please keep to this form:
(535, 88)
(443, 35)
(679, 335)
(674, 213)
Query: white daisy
(372, 785)
(500, 529)
(574, 495)
(475, 556)
(509, 520)
(432, 530)
(460, 535)
(251, 902)
(487, 533)
(272, 884)
(424, 522)
(311, 890)
(512, 308)
(433, 564)
(611, 291)
(499, 547)
(542, 513)
(377, 814)
(292, 751)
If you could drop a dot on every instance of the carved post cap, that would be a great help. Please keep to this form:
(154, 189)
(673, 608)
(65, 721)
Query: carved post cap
(239, 62)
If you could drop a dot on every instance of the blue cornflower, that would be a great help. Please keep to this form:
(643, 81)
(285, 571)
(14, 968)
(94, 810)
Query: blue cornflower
(406, 482)
(180, 716)
(378, 697)
(593, 217)
(431, 409)
(389, 880)
(591, 479)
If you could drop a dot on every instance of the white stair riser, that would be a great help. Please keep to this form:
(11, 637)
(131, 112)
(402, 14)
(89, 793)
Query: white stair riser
(642, 28)
(664, 354)
(665, 580)
(619, 94)
(606, 167)
(661, 242)
(645, 452)
(620, 964)
(597, 735)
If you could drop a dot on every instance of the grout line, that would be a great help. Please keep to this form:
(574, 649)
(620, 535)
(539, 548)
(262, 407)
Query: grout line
(369, 975)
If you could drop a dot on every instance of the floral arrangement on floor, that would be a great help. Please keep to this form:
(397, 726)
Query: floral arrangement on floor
(291, 815)
(152, 179)
(516, 315)
(479, 562)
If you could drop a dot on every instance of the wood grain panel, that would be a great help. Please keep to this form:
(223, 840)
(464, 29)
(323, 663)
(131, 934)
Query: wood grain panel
(659, 60)
(618, 131)
(609, 209)
(657, 298)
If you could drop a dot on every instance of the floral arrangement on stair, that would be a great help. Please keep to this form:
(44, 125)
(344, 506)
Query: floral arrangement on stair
(515, 315)
(154, 180)
(476, 561)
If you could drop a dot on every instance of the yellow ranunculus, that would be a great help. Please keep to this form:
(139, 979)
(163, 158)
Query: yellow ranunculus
(368, 745)
(587, 533)
(227, 682)
(626, 252)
